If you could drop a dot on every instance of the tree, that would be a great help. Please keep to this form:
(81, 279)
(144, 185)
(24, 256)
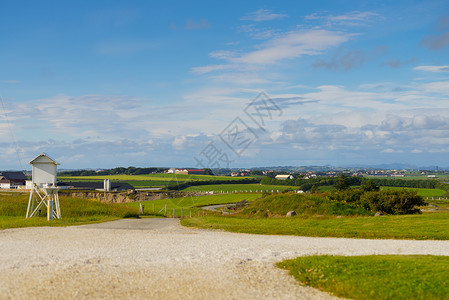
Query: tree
(208, 171)
(342, 183)
(369, 186)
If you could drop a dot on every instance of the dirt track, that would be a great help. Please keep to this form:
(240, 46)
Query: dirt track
(157, 258)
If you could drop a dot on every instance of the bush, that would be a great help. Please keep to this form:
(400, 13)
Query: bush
(392, 202)
(388, 201)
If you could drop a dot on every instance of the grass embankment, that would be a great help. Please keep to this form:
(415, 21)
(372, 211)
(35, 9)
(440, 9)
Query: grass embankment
(305, 205)
(191, 203)
(13, 207)
(239, 188)
(374, 277)
(426, 226)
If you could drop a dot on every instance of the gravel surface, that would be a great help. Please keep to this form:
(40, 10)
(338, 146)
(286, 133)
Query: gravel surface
(159, 259)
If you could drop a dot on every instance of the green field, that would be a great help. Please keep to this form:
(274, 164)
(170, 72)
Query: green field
(239, 187)
(425, 226)
(154, 180)
(191, 203)
(13, 207)
(374, 276)
(156, 177)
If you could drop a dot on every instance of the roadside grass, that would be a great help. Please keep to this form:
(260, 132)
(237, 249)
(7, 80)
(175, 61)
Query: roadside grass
(374, 276)
(433, 226)
(238, 187)
(190, 203)
(74, 211)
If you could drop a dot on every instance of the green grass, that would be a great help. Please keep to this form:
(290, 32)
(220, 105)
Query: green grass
(302, 204)
(154, 180)
(374, 277)
(239, 187)
(155, 177)
(191, 203)
(74, 211)
(425, 226)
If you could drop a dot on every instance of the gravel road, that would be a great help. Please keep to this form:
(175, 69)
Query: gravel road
(159, 259)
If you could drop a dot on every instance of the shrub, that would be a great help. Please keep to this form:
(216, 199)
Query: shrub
(392, 202)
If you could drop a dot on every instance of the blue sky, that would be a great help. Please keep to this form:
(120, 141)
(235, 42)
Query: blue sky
(101, 84)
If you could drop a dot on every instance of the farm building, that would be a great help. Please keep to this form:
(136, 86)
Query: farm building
(12, 179)
(284, 177)
(190, 171)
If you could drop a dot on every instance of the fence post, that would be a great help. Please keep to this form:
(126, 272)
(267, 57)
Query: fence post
(153, 208)
(165, 210)
(174, 212)
(181, 212)
(190, 213)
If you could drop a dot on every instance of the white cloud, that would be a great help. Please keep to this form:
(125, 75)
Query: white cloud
(436, 69)
(293, 45)
(437, 87)
(262, 15)
(210, 68)
(354, 18)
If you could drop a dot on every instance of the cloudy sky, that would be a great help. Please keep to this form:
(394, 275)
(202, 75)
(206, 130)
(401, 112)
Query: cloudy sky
(101, 84)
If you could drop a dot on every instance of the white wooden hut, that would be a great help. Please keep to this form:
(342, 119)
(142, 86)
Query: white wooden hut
(44, 190)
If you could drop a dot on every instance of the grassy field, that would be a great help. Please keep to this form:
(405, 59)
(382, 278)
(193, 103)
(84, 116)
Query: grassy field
(374, 277)
(191, 203)
(425, 226)
(155, 177)
(13, 208)
(154, 180)
(239, 187)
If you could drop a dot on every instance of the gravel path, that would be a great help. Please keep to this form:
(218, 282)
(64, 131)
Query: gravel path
(159, 259)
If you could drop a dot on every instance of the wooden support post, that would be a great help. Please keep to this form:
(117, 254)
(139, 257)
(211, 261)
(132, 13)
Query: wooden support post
(190, 213)
(181, 212)
(165, 210)
(49, 209)
(174, 212)
(153, 208)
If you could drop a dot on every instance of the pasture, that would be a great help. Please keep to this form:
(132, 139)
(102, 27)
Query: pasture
(374, 276)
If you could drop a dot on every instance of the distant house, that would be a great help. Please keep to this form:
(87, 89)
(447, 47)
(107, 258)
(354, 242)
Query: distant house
(12, 179)
(171, 171)
(190, 171)
(284, 177)
(234, 174)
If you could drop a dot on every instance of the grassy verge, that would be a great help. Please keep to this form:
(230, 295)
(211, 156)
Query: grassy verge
(374, 277)
(425, 226)
(74, 211)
